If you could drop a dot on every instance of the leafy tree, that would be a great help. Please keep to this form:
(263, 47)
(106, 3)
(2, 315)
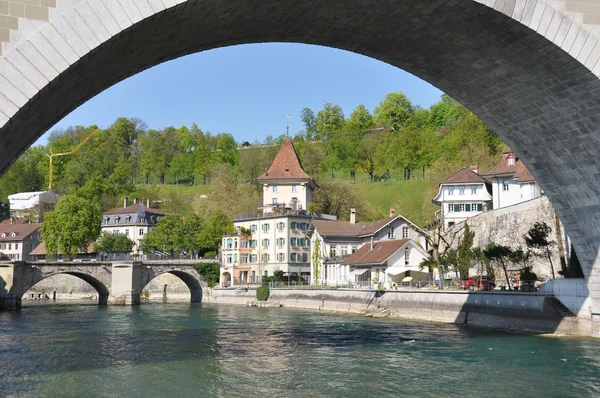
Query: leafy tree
(395, 111)
(113, 243)
(308, 119)
(369, 154)
(209, 272)
(450, 261)
(317, 256)
(501, 255)
(329, 121)
(464, 252)
(431, 264)
(71, 227)
(167, 235)
(537, 239)
(337, 198)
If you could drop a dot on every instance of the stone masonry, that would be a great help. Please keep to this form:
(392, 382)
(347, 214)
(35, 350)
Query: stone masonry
(528, 68)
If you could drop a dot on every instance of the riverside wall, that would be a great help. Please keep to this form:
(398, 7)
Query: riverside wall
(507, 310)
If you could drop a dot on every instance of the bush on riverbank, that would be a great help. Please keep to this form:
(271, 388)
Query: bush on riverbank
(262, 293)
(209, 272)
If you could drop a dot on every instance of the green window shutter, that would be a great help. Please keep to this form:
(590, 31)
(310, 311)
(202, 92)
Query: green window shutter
(456, 208)
(304, 257)
(468, 207)
(479, 207)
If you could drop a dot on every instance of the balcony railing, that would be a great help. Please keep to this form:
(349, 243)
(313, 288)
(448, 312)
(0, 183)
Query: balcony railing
(335, 259)
(271, 212)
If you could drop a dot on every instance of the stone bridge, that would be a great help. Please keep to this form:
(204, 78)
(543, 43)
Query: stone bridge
(527, 68)
(115, 282)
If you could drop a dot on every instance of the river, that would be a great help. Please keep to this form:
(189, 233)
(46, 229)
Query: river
(208, 350)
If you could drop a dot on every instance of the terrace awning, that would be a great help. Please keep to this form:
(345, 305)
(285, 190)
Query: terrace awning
(396, 270)
(359, 271)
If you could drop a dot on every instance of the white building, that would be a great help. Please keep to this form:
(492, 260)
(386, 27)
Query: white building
(463, 195)
(32, 204)
(337, 240)
(274, 239)
(133, 221)
(387, 263)
(512, 183)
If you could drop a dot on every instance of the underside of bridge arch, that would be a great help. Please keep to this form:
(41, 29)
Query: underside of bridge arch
(100, 287)
(543, 102)
(190, 279)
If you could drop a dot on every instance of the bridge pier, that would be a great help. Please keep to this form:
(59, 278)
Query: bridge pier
(126, 280)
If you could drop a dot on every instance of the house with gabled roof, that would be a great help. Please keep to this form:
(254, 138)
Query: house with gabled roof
(512, 183)
(463, 195)
(334, 241)
(18, 238)
(388, 262)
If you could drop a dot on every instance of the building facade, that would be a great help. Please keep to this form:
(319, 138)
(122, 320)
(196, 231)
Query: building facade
(463, 195)
(332, 242)
(18, 238)
(512, 183)
(274, 239)
(32, 205)
(133, 221)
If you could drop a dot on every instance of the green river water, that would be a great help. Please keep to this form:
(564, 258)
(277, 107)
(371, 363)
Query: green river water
(207, 350)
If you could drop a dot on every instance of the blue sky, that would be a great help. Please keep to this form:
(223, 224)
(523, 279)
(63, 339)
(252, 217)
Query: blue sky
(248, 90)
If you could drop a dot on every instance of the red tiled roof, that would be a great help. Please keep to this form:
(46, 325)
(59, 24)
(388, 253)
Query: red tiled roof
(134, 209)
(518, 169)
(40, 250)
(17, 221)
(285, 165)
(345, 228)
(382, 251)
(22, 231)
(464, 175)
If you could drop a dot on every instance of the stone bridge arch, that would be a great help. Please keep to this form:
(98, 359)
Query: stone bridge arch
(187, 273)
(29, 274)
(527, 68)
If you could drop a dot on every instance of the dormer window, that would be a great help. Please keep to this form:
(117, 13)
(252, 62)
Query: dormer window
(142, 220)
(117, 219)
(3, 234)
(127, 219)
(511, 161)
(451, 190)
(14, 234)
(461, 189)
(106, 220)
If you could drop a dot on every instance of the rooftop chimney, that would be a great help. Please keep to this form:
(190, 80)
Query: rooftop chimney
(147, 202)
(125, 201)
(371, 243)
(352, 216)
(474, 169)
(392, 212)
(13, 220)
(135, 201)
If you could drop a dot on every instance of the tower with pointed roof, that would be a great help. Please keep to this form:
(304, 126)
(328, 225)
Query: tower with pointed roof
(285, 183)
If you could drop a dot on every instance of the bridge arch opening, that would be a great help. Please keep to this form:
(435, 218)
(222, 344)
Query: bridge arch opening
(530, 76)
(62, 284)
(168, 289)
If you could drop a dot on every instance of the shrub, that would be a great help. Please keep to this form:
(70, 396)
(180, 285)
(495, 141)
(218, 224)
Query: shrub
(210, 255)
(262, 293)
(209, 272)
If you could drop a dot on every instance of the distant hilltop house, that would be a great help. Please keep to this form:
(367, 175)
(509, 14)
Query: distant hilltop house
(358, 253)
(18, 238)
(274, 239)
(466, 193)
(133, 221)
(32, 205)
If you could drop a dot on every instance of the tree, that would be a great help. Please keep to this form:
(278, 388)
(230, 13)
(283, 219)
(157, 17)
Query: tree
(395, 111)
(537, 239)
(431, 264)
(329, 121)
(337, 198)
(71, 227)
(209, 272)
(317, 256)
(464, 252)
(113, 243)
(501, 255)
(308, 119)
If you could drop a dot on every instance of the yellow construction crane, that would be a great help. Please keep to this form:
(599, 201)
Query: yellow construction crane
(52, 155)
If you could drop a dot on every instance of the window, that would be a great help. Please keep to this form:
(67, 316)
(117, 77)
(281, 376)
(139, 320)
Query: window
(244, 259)
(406, 256)
(117, 219)
(461, 190)
(344, 250)
(354, 249)
(473, 206)
(274, 188)
(473, 189)
(333, 251)
(127, 232)
(462, 207)
(265, 258)
(229, 259)
(229, 243)
(280, 226)
(391, 232)
(141, 232)
(143, 220)
(127, 219)
(505, 185)
(511, 161)
(265, 227)
(16, 246)
(265, 242)
(292, 241)
(450, 208)
(274, 201)
(281, 257)
(293, 188)
(405, 232)
(266, 273)
(451, 190)
(304, 257)
(17, 256)
(253, 276)
(293, 257)
(235, 258)
(235, 244)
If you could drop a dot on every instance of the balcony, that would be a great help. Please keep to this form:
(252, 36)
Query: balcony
(279, 211)
(335, 259)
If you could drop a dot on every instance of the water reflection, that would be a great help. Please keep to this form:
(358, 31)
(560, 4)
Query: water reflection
(212, 350)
